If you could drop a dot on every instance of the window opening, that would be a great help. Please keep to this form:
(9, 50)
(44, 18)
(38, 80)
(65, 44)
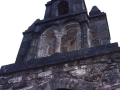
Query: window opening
(63, 8)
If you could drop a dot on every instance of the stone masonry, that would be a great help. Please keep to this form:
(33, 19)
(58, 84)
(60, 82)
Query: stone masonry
(98, 72)
(68, 50)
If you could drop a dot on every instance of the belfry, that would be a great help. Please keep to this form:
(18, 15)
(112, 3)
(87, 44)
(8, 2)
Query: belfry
(68, 50)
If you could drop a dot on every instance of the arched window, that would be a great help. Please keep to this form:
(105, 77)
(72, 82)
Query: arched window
(47, 43)
(63, 8)
(60, 39)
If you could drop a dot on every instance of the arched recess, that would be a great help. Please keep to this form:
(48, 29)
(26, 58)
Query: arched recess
(63, 8)
(46, 45)
(56, 39)
(72, 40)
(60, 39)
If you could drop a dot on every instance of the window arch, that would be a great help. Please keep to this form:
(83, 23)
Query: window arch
(72, 40)
(47, 43)
(63, 8)
(56, 39)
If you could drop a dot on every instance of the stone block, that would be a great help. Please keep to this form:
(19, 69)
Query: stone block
(84, 66)
(117, 89)
(83, 86)
(30, 77)
(27, 88)
(1, 87)
(103, 27)
(105, 41)
(15, 80)
(19, 85)
(7, 87)
(2, 81)
(97, 36)
(95, 43)
(70, 68)
(44, 74)
(78, 73)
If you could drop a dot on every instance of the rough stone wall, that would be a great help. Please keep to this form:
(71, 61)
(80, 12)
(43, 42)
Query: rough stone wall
(25, 44)
(99, 31)
(93, 73)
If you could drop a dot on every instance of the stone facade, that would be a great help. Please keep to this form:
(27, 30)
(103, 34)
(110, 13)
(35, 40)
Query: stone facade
(68, 50)
(67, 29)
(93, 73)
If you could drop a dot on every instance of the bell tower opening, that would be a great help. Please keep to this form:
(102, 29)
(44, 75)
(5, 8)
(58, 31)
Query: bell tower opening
(63, 8)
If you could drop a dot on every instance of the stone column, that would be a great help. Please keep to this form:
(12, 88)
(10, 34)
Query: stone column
(59, 34)
(58, 43)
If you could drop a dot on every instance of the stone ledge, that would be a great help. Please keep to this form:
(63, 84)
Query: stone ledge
(60, 58)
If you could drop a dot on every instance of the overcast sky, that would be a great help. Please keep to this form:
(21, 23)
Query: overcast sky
(17, 15)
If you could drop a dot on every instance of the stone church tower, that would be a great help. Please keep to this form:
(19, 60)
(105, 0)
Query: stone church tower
(68, 50)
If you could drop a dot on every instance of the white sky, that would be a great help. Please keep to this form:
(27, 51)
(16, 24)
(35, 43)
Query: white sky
(17, 15)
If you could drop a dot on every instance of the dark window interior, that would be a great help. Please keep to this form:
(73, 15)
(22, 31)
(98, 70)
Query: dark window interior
(63, 8)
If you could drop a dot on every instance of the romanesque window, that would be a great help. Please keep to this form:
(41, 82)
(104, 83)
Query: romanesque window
(72, 40)
(63, 8)
(47, 41)
(60, 39)
(56, 39)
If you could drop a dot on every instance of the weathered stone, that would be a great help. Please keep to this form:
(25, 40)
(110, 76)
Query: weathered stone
(26, 88)
(93, 77)
(110, 77)
(68, 50)
(117, 89)
(107, 87)
(83, 86)
(30, 77)
(44, 74)
(19, 85)
(84, 66)
(47, 87)
(1, 87)
(2, 81)
(89, 76)
(70, 68)
(15, 80)
(63, 83)
(78, 73)
(7, 86)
